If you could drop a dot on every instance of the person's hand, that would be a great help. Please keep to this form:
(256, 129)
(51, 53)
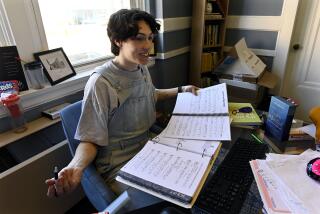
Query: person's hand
(190, 88)
(68, 180)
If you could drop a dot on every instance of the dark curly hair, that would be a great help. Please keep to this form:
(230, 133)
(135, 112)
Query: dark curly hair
(123, 25)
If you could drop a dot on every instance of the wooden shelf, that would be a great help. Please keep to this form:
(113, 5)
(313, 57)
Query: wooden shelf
(32, 127)
(212, 46)
(207, 29)
(214, 17)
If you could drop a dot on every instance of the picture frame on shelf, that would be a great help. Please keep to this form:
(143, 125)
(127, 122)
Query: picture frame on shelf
(56, 65)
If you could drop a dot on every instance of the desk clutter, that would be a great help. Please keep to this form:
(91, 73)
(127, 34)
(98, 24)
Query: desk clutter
(246, 75)
(226, 190)
(284, 184)
(174, 165)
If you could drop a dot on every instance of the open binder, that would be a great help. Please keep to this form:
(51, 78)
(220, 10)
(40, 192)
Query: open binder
(175, 164)
(201, 117)
(171, 171)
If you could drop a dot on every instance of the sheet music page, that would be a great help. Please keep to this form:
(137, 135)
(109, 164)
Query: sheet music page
(211, 100)
(179, 170)
(205, 147)
(198, 128)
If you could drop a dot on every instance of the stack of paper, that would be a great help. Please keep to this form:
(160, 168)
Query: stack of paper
(284, 185)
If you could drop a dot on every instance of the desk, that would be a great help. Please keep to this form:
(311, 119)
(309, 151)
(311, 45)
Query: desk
(252, 204)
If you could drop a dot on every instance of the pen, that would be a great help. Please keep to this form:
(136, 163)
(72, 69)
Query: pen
(256, 138)
(55, 172)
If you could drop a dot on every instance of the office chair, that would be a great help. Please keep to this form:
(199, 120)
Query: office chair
(98, 193)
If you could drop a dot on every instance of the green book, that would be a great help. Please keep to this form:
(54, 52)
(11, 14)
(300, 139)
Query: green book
(243, 119)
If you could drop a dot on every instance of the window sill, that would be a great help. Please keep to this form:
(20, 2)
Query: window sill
(34, 98)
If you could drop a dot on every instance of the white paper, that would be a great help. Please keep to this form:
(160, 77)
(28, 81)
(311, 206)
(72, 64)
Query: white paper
(199, 128)
(275, 196)
(293, 174)
(177, 170)
(201, 147)
(211, 100)
(309, 129)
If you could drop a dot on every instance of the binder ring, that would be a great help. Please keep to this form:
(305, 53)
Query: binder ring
(156, 140)
(203, 152)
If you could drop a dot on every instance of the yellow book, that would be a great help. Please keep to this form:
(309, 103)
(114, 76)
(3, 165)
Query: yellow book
(243, 119)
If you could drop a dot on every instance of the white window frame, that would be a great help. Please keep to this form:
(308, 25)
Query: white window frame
(6, 36)
(22, 26)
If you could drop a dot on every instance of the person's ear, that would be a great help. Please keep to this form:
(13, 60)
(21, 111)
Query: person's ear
(118, 43)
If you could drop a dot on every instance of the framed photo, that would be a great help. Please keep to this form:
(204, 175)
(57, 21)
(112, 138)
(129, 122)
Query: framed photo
(56, 65)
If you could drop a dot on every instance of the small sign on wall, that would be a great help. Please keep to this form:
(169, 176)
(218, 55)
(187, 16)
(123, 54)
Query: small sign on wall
(10, 67)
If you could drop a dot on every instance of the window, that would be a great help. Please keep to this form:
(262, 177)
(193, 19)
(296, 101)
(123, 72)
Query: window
(78, 26)
(6, 37)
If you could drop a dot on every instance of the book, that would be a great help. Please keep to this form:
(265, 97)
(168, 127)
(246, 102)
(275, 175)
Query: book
(173, 171)
(289, 146)
(54, 112)
(296, 134)
(201, 117)
(279, 120)
(243, 119)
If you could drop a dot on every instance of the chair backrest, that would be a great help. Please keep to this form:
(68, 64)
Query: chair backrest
(98, 193)
(70, 117)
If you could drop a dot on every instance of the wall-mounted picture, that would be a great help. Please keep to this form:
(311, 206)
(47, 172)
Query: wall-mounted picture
(56, 65)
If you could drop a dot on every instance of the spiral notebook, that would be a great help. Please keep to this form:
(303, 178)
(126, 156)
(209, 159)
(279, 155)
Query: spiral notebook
(173, 170)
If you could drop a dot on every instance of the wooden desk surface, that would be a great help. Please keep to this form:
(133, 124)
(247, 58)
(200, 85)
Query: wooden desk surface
(32, 127)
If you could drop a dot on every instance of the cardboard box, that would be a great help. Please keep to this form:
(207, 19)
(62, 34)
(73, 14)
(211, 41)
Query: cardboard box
(241, 64)
(237, 93)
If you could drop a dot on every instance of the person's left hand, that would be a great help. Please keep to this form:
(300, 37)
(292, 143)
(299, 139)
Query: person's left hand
(190, 88)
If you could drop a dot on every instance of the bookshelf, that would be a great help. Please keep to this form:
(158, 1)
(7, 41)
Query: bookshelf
(207, 39)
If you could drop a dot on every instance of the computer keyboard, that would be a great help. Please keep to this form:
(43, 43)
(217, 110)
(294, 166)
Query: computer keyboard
(227, 189)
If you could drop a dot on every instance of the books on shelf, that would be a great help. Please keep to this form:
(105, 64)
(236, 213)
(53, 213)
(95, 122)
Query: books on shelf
(243, 119)
(172, 170)
(201, 117)
(208, 61)
(211, 35)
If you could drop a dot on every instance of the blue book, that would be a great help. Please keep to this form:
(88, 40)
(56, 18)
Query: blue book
(279, 119)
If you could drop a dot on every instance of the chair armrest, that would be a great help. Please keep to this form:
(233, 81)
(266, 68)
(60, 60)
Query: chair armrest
(93, 184)
(118, 203)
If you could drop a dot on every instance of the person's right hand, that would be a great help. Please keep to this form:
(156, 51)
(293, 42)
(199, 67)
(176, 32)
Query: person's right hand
(68, 180)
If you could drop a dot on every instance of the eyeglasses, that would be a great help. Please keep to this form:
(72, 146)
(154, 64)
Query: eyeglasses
(242, 110)
(142, 37)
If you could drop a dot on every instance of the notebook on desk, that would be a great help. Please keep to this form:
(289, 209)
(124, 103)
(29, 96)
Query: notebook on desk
(169, 172)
